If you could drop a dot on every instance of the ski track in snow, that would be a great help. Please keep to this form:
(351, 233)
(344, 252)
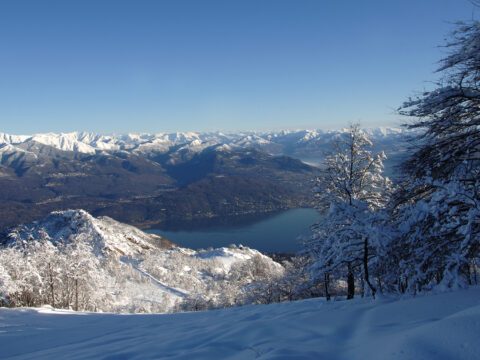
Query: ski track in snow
(162, 285)
(444, 326)
(157, 282)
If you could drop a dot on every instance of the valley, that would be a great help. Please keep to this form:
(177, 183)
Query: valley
(240, 180)
(150, 179)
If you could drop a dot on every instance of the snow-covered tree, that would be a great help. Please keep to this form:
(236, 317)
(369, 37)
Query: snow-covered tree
(437, 210)
(351, 190)
(449, 116)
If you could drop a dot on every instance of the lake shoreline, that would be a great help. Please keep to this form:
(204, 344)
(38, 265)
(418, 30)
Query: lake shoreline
(273, 233)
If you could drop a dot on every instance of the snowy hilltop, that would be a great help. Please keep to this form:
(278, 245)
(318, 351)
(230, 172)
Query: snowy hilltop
(74, 226)
(70, 259)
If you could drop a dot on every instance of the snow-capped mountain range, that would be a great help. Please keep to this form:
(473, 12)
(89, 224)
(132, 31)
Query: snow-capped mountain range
(295, 143)
(145, 179)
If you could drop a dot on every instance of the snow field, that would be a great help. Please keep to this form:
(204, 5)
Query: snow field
(442, 326)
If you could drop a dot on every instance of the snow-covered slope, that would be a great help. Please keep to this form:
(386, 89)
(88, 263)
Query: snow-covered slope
(227, 257)
(444, 326)
(120, 268)
(11, 154)
(105, 234)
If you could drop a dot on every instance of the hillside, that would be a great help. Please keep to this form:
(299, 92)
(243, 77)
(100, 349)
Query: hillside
(220, 197)
(442, 326)
(70, 259)
(104, 234)
(136, 178)
(37, 178)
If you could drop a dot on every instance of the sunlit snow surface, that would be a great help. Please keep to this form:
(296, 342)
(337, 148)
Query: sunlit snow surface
(444, 326)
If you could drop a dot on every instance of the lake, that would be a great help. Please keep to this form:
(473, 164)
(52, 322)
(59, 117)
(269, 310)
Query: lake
(275, 233)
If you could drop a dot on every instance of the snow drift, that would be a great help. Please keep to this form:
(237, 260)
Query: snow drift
(444, 326)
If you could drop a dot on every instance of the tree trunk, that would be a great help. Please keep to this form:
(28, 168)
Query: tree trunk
(380, 285)
(76, 294)
(362, 286)
(365, 267)
(52, 286)
(327, 286)
(350, 283)
(475, 271)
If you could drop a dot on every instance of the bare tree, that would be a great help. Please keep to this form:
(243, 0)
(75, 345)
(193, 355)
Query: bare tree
(350, 191)
(438, 208)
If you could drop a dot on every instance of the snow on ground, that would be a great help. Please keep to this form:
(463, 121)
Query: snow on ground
(171, 290)
(227, 257)
(443, 326)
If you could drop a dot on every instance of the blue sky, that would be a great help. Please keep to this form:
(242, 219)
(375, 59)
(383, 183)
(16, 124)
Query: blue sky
(152, 66)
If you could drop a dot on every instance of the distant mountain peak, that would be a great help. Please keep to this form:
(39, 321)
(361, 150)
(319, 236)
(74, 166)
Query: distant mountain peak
(89, 143)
